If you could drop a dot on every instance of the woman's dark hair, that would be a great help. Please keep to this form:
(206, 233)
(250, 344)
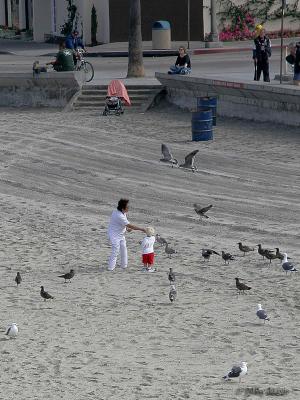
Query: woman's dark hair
(122, 204)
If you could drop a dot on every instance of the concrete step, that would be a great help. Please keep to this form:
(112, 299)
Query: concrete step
(128, 87)
(130, 92)
(135, 98)
(99, 104)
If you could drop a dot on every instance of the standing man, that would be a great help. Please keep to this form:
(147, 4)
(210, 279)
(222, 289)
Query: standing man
(261, 54)
(116, 233)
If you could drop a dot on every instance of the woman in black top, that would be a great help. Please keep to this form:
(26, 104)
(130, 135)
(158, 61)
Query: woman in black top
(183, 63)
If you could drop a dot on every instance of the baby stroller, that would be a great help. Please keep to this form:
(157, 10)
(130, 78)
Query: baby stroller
(117, 96)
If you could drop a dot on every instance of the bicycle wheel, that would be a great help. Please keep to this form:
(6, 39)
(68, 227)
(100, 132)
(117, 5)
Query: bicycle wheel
(89, 71)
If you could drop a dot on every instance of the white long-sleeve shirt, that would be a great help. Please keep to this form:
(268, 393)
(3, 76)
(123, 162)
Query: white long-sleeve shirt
(117, 225)
(147, 244)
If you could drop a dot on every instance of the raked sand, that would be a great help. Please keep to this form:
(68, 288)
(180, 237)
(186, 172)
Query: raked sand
(116, 335)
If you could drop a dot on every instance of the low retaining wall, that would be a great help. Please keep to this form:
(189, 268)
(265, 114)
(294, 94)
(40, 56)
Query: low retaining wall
(253, 101)
(51, 89)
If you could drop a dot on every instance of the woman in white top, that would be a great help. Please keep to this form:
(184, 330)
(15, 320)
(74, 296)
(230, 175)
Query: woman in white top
(116, 233)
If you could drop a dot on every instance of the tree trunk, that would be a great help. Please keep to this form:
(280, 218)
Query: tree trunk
(135, 45)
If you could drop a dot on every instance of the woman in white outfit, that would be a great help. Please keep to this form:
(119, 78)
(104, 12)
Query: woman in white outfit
(116, 233)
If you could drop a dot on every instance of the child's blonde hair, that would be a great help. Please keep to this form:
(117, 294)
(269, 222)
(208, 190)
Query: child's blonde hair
(150, 231)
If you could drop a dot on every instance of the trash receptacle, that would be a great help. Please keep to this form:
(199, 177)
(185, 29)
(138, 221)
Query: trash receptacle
(161, 35)
(202, 125)
(208, 103)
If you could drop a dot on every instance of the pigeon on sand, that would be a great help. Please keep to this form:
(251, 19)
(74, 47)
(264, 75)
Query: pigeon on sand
(169, 250)
(261, 314)
(12, 330)
(68, 276)
(201, 211)
(286, 265)
(18, 279)
(237, 372)
(171, 276)
(227, 257)
(206, 253)
(173, 293)
(245, 249)
(241, 287)
(45, 295)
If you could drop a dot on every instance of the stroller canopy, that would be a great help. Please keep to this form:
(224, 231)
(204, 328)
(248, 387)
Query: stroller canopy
(118, 89)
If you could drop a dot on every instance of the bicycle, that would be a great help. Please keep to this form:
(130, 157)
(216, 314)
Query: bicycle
(85, 66)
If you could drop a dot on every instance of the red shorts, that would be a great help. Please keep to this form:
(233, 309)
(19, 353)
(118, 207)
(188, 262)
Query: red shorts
(148, 258)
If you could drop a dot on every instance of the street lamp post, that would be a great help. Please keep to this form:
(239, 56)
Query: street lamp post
(281, 39)
(188, 23)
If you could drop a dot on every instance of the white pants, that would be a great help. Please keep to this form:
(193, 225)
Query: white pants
(118, 245)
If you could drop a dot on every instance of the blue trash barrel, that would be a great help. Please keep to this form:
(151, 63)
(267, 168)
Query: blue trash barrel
(202, 125)
(208, 103)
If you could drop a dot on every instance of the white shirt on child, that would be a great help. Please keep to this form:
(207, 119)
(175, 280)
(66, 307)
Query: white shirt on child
(117, 225)
(147, 244)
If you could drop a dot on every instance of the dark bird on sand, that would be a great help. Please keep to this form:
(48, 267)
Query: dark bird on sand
(171, 276)
(169, 250)
(45, 295)
(227, 257)
(245, 249)
(18, 279)
(286, 265)
(189, 161)
(159, 239)
(237, 372)
(280, 255)
(202, 210)
(167, 156)
(206, 253)
(270, 255)
(241, 287)
(262, 251)
(172, 294)
(68, 276)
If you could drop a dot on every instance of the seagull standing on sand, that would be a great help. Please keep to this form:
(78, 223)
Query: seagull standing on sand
(261, 314)
(18, 279)
(206, 253)
(171, 276)
(262, 251)
(68, 276)
(202, 210)
(237, 372)
(12, 330)
(173, 293)
(241, 287)
(45, 295)
(245, 249)
(227, 257)
(159, 239)
(286, 265)
(189, 161)
(169, 250)
(167, 156)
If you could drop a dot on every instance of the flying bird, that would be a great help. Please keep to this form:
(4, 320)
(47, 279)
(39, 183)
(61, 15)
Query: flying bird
(173, 293)
(245, 249)
(241, 287)
(227, 257)
(18, 279)
(68, 276)
(202, 210)
(45, 295)
(237, 372)
(159, 239)
(169, 250)
(206, 253)
(167, 156)
(261, 314)
(171, 276)
(189, 161)
(286, 265)
(12, 330)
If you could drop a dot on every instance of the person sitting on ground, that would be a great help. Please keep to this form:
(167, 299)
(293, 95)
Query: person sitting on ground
(294, 59)
(183, 63)
(148, 250)
(64, 59)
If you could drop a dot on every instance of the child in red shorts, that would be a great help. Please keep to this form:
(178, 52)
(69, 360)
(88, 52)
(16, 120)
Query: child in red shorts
(148, 250)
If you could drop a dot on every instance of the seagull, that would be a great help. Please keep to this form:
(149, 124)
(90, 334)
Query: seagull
(237, 372)
(286, 265)
(159, 239)
(189, 161)
(227, 257)
(12, 330)
(261, 314)
(45, 295)
(68, 276)
(280, 255)
(18, 279)
(169, 250)
(206, 253)
(172, 294)
(245, 249)
(202, 210)
(270, 256)
(262, 251)
(167, 156)
(241, 286)
(171, 276)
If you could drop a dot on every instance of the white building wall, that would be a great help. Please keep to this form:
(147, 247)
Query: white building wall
(41, 19)
(2, 12)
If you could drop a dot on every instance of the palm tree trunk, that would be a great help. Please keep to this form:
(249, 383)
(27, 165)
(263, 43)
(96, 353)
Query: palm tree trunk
(135, 45)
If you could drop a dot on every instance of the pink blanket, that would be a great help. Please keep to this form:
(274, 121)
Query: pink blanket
(117, 88)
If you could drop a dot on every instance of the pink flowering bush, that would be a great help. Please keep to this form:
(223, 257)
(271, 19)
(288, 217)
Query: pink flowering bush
(241, 27)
